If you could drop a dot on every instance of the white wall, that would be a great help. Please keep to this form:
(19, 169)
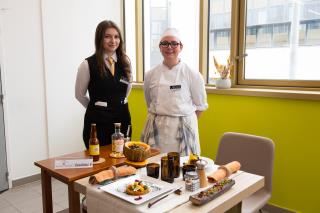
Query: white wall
(68, 39)
(42, 44)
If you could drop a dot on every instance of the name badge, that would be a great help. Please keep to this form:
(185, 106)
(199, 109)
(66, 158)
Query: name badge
(73, 163)
(124, 80)
(175, 87)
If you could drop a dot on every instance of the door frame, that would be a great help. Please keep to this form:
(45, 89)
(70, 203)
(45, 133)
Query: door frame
(3, 103)
(4, 180)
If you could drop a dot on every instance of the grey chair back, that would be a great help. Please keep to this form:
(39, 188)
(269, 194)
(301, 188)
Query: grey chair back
(255, 154)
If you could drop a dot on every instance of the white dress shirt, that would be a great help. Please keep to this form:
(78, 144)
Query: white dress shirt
(83, 78)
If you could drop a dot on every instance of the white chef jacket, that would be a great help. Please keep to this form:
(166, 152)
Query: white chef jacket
(179, 91)
(172, 94)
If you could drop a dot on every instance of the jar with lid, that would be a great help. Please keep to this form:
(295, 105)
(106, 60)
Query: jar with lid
(192, 181)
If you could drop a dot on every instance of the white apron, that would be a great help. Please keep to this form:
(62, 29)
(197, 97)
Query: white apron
(167, 129)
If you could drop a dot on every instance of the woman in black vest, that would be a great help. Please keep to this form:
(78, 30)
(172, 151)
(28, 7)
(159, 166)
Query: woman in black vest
(106, 75)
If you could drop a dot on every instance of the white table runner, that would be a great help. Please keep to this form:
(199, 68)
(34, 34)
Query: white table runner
(99, 201)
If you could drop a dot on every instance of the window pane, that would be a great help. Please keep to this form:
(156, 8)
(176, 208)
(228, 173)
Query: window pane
(282, 39)
(181, 14)
(130, 36)
(219, 35)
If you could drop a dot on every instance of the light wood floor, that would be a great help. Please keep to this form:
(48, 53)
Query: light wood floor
(27, 198)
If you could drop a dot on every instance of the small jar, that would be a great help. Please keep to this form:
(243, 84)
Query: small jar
(192, 181)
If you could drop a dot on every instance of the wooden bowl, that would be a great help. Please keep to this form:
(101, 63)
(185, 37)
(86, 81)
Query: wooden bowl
(136, 151)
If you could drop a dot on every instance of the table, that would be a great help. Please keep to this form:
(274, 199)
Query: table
(246, 184)
(68, 176)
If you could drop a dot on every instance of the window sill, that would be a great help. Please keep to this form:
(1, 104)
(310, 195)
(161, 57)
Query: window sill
(266, 92)
(260, 92)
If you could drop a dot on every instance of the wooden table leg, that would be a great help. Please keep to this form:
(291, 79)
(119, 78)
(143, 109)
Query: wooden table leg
(74, 199)
(46, 192)
(235, 209)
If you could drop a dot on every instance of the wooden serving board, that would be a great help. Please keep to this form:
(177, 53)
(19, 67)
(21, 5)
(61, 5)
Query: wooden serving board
(210, 194)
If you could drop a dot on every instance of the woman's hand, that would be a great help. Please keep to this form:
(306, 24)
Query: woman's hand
(198, 113)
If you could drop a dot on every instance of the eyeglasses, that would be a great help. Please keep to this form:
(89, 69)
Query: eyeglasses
(173, 44)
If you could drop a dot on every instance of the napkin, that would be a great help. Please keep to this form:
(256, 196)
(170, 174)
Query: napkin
(224, 171)
(112, 173)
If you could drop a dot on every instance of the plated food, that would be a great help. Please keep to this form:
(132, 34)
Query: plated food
(121, 188)
(137, 188)
(209, 194)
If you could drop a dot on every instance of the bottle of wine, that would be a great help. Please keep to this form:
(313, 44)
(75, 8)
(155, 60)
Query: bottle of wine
(117, 142)
(94, 146)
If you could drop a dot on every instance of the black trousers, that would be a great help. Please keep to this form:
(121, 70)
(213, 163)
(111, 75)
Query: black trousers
(104, 118)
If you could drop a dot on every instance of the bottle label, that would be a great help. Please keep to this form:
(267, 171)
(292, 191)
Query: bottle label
(118, 145)
(94, 149)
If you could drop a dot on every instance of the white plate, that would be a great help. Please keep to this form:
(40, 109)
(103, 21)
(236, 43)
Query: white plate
(210, 166)
(185, 159)
(157, 187)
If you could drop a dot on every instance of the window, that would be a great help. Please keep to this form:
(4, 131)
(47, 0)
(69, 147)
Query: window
(270, 42)
(130, 35)
(161, 14)
(219, 35)
(284, 51)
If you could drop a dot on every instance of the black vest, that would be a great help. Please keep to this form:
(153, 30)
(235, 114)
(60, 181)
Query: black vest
(107, 88)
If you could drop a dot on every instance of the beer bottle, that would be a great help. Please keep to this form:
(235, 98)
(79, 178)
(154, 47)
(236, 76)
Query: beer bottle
(94, 147)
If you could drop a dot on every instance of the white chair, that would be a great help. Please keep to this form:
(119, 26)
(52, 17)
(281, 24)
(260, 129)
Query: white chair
(256, 155)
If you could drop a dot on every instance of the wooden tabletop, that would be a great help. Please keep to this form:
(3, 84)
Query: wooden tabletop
(69, 175)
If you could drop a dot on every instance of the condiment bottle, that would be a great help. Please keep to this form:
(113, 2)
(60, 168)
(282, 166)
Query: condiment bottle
(201, 173)
(117, 142)
(192, 181)
(94, 147)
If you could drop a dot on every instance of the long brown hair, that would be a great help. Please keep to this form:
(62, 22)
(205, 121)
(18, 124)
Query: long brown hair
(121, 55)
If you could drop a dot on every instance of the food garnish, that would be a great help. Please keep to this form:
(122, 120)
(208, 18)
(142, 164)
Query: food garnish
(137, 188)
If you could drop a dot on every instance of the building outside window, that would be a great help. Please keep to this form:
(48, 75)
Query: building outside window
(181, 14)
(287, 40)
(219, 35)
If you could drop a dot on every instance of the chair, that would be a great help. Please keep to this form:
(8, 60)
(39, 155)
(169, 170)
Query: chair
(256, 156)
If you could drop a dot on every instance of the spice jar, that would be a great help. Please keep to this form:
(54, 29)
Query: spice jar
(201, 173)
(192, 181)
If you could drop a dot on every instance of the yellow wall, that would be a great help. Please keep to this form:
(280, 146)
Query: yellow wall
(292, 124)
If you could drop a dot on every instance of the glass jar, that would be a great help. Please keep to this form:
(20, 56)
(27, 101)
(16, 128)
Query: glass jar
(192, 181)
(167, 169)
(176, 163)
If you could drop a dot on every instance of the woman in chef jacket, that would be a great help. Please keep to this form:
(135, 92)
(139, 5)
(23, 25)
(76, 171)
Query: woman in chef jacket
(175, 96)
(106, 75)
